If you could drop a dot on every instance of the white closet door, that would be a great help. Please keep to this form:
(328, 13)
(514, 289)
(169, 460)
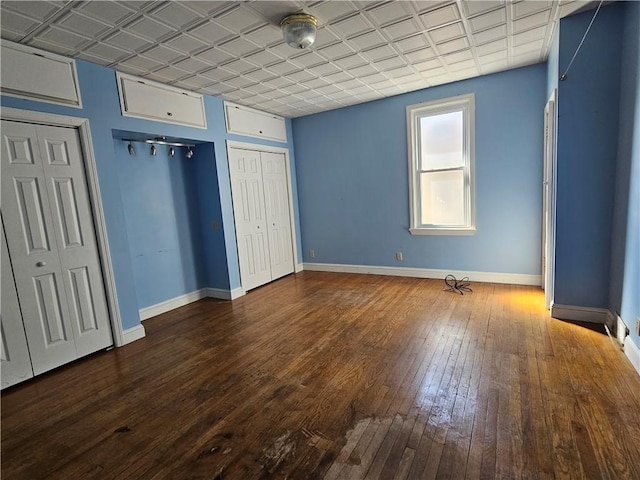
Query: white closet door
(48, 228)
(75, 238)
(249, 214)
(14, 353)
(276, 195)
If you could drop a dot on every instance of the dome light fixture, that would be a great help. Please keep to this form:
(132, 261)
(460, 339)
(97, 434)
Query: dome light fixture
(299, 30)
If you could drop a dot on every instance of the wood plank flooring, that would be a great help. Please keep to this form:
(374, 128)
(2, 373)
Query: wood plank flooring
(336, 376)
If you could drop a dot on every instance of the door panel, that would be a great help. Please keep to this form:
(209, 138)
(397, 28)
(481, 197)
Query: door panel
(274, 175)
(14, 353)
(251, 226)
(75, 238)
(51, 240)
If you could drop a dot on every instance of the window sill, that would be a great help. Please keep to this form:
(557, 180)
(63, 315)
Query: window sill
(443, 231)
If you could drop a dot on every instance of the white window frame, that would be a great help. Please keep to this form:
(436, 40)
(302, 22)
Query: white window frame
(466, 104)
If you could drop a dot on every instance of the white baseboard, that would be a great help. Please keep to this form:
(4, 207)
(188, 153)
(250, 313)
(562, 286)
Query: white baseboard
(188, 298)
(632, 351)
(491, 277)
(224, 294)
(172, 303)
(580, 314)
(298, 267)
(132, 334)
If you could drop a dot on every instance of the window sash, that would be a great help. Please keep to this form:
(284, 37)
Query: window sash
(415, 113)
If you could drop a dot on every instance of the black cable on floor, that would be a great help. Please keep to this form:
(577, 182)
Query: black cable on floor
(455, 285)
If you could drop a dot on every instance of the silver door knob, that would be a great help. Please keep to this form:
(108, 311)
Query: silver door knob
(41, 264)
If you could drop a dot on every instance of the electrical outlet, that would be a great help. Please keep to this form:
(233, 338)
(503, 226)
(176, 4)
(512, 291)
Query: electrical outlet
(399, 256)
(312, 253)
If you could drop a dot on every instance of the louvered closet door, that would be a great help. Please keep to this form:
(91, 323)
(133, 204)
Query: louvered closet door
(249, 214)
(52, 244)
(276, 195)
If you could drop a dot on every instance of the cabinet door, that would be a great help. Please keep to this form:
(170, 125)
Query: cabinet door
(276, 195)
(249, 214)
(14, 353)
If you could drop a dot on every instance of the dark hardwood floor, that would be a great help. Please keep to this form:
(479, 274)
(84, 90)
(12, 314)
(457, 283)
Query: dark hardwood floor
(322, 375)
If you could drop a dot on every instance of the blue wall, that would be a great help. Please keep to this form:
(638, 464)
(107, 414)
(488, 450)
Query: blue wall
(199, 190)
(625, 256)
(586, 157)
(553, 69)
(353, 180)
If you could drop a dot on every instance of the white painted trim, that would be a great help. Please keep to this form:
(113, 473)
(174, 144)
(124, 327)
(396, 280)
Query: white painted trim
(172, 303)
(132, 334)
(579, 314)
(224, 294)
(549, 167)
(187, 298)
(492, 277)
(82, 124)
(298, 267)
(632, 351)
(285, 152)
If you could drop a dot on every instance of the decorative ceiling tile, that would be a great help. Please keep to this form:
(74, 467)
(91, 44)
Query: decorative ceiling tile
(420, 55)
(218, 74)
(522, 8)
(428, 65)
(535, 46)
(366, 41)
(337, 50)
(163, 54)
(148, 28)
(529, 36)
(192, 64)
(211, 33)
(283, 68)
(488, 20)
(402, 29)
(35, 10)
(17, 24)
(168, 73)
(214, 56)
(379, 53)
(307, 60)
(84, 25)
(441, 16)
(238, 47)
(64, 38)
(175, 14)
(239, 66)
(108, 12)
(452, 46)
(240, 19)
(127, 41)
(107, 52)
(458, 57)
(260, 75)
(324, 37)
(262, 58)
(265, 35)
(389, 12)
(444, 34)
(302, 76)
(329, 11)
(490, 35)
(362, 71)
(328, 68)
(412, 43)
(352, 26)
(532, 21)
(497, 46)
(186, 44)
(142, 63)
(206, 9)
(475, 7)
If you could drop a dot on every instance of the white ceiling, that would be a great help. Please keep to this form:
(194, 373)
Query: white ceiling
(364, 50)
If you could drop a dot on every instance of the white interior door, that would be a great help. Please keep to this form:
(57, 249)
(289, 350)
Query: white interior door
(14, 353)
(276, 196)
(250, 218)
(548, 200)
(52, 244)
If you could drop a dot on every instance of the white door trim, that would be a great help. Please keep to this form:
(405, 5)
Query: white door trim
(82, 125)
(550, 227)
(297, 265)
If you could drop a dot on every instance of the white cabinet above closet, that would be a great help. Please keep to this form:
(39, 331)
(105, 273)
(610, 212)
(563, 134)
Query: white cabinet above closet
(38, 75)
(150, 100)
(254, 123)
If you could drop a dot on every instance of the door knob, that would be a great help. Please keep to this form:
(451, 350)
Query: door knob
(41, 264)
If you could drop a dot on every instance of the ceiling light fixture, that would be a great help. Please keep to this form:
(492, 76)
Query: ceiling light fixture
(299, 30)
(160, 141)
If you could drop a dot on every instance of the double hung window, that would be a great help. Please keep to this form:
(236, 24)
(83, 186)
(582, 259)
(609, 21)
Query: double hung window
(441, 141)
